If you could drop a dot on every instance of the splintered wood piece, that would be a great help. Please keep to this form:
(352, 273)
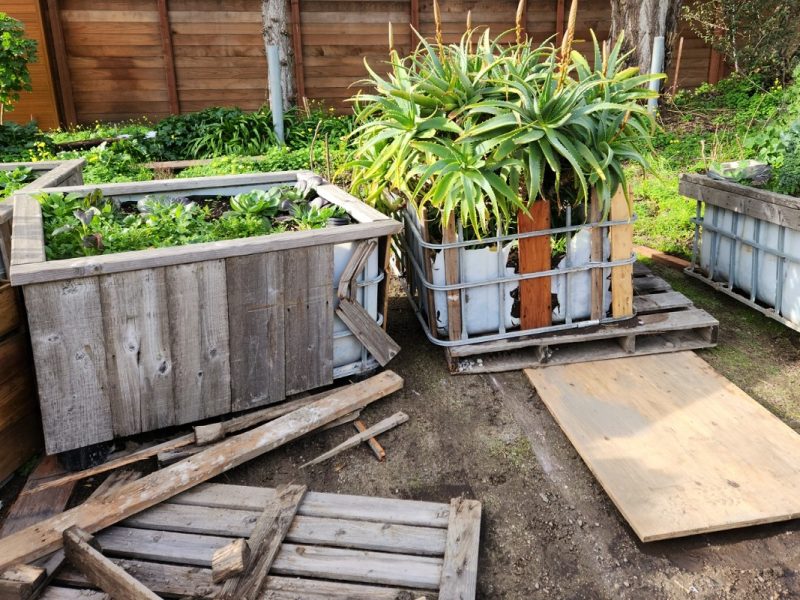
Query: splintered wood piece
(46, 536)
(393, 421)
(230, 560)
(205, 432)
(367, 331)
(20, 581)
(347, 281)
(134, 457)
(534, 255)
(452, 276)
(109, 577)
(374, 445)
(595, 214)
(265, 541)
(621, 248)
(460, 568)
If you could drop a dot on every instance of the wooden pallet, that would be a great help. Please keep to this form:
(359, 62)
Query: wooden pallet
(338, 546)
(665, 321)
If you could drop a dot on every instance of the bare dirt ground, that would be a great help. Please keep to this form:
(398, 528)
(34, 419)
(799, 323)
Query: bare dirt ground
(549, 530)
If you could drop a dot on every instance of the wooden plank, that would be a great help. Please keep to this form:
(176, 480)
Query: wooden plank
(382, 347)
(389, 423)
(198, 320)
(321, 562)
(308, 318)
(347, 533)
(413, 18)
(34, 542)
(534, 255)
(317, 504)
(679, 449)
(255, 316)
(101, 571)
(165, 34)
(361, 212)
(265, 540)
(621, 249)
(21, 441)
(653, 303)
(10, 317)
(70, 355)
(292, 588)
(597, 292)
(452, 276)
(297, 45)
(460, 570)
(169, 580)
(674, 262)
(20, 581)
(137, 331)
(64, 593)
(683, 320)
(27, 242)
(32, 508)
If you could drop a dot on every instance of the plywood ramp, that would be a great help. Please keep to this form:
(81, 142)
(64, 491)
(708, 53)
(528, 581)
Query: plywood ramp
(678, 448)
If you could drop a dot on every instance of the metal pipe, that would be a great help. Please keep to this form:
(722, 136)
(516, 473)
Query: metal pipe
(275, 91)
(656, 66)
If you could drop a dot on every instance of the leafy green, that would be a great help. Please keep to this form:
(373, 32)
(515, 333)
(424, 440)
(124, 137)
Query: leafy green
(482, 133)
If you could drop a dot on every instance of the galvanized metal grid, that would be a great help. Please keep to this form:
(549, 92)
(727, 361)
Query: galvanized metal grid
(713, 234)
(416, 281)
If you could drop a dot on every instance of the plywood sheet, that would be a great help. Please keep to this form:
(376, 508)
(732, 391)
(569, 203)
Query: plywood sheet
(678, 448)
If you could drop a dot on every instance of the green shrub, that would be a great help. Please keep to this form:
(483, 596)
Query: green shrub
(21, 142)
(98, 130)
(113, 163)
(11, 181)
(16, 51)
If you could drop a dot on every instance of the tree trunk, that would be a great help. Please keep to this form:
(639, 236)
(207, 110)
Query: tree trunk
(275, 20)
(642, 21)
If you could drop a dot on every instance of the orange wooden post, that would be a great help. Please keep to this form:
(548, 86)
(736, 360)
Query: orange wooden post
(297, 43)
(534, 255)
(169, 57)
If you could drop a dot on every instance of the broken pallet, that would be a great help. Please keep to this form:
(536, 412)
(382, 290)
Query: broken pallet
(337, 546)
(665, 321)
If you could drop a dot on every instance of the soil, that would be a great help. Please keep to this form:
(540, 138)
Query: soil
(548, 529)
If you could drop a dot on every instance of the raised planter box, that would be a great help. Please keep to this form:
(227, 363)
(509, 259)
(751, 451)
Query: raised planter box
(49, 173)
(136, 341)
(747, 245)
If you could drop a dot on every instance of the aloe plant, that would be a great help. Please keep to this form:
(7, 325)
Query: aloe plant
(483, 129)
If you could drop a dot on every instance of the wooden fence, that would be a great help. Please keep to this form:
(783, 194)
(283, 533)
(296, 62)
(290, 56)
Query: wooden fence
(120, 59)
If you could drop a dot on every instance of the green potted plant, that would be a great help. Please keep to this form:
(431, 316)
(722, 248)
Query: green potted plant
(16, 51)
(481, 141)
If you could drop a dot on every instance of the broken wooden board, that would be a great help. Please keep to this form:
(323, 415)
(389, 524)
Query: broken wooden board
(45, 537)
(338, 546)
(678, 448)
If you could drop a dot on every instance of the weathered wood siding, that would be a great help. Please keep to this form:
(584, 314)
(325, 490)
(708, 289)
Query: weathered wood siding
(118, 67)
(39, 103)
(128, 352)
(20, 430)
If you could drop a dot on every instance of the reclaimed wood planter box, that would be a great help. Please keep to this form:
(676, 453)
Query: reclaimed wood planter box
(48, 173)
(747, 245)
(136, 341)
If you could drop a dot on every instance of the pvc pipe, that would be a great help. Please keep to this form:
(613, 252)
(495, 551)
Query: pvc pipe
(656, 66)
(275, 91)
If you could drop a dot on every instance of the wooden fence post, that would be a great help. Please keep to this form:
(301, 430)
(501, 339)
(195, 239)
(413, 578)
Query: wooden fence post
(297, 42)
(414, 20)
(169, 57)
(62, 68)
